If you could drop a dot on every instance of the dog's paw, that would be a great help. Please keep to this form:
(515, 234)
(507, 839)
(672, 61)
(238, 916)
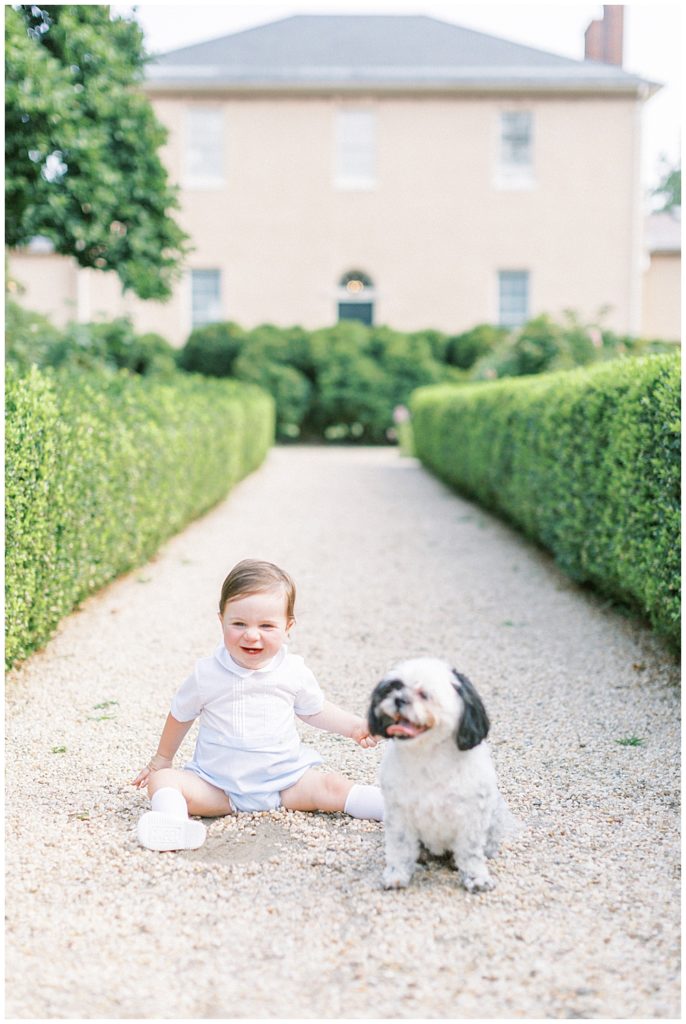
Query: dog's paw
(394, 878)
(477, 883)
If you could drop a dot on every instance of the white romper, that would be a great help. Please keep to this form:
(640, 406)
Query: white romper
(248, 744)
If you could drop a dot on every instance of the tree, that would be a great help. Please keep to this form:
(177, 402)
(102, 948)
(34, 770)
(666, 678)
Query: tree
(670, 186)
(81, 143)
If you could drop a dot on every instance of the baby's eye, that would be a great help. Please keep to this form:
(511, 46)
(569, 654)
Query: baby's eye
(267, 625)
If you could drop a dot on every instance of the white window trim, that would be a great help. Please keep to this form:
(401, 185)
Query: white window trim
(506, 180)
(203, 184)
(353, 184)
(366, 296)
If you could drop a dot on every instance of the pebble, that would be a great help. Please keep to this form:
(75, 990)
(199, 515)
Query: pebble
(389, 563)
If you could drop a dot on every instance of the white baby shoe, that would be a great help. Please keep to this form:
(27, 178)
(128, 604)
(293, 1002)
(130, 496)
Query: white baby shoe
(157, 830)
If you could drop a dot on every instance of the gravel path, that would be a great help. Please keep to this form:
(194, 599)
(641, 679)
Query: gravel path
(281, 915)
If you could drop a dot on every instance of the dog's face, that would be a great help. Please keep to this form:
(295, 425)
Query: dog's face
(424, 697)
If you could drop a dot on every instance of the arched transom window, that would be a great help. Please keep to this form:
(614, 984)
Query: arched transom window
(356, 297)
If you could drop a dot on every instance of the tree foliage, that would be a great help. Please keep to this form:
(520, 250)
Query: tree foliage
(669, 188)
(82, 141)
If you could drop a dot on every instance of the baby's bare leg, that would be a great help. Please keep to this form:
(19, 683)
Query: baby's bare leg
(201, 796)
(317, 791)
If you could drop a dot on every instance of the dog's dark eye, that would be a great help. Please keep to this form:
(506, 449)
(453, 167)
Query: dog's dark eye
(421, 694)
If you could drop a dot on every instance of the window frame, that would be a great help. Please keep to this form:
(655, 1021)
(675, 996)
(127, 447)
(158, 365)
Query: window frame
(511, 174)
(214, 178)
(510, 273)
(346, 151)
(212, 319)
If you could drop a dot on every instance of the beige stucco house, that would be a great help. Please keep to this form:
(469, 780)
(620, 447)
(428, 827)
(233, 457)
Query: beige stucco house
(661, 310)
(400, 170)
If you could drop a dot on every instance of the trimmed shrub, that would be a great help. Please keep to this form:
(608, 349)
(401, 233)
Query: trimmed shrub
(544, 345)
(629, 344)
(290, 346)
(101, 468)
(342, 383)
(287, 386)
(29, 337)
(362, 374)
(31, 340)
(539, 346)
(337, 383)
(272, 358)
(586, 462)
(212, 349)
(114, 344)
(463, 350)
(436, 340)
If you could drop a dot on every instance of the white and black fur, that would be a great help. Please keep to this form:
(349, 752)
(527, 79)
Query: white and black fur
(437, 776)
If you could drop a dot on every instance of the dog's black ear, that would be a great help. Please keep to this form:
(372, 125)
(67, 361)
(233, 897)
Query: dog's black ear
(373, 720)
(378, 723)
(474, 723)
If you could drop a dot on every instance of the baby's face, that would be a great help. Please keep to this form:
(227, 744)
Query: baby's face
(255, 627)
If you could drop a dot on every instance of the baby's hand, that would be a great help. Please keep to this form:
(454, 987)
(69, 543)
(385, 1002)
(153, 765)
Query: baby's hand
(154, 764)
(362, 735)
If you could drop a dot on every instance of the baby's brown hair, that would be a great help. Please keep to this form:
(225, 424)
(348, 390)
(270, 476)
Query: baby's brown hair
(252, 576)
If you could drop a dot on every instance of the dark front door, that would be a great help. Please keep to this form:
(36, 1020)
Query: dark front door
(362, 311)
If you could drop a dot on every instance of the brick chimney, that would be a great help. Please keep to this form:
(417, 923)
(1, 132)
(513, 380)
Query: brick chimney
(604, 37)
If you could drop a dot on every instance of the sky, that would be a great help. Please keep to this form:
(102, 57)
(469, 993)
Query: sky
(653, 41)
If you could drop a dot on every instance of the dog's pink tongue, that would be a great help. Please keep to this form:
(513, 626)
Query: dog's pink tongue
(403, 729)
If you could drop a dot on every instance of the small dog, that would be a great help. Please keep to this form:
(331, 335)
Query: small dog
(437, 776)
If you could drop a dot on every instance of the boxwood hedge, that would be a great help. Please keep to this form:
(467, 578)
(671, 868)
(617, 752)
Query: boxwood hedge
(586, 462)
(101, 468)
(343, 382)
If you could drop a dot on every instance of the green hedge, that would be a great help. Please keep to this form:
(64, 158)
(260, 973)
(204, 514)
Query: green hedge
(344, 382)
(32, 340)
(101, 468)
(339, 383)
(586, 462)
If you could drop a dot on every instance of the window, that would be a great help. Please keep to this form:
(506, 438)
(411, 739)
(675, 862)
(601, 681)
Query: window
(515, 168)
(204, 152)
(515, 139)
(356, 297)
(513, 297)
(41, 244)
(355, 149)
(206, 299)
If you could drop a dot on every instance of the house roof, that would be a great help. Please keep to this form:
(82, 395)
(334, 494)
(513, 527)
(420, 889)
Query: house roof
(663, 231)
(379, 52)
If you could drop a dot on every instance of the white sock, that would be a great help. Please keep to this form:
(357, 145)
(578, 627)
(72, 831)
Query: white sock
(365, 802)
(169, 801)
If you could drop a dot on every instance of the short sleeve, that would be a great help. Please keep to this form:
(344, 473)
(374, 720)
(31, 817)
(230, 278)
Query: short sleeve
(309, 699)
(186, 704)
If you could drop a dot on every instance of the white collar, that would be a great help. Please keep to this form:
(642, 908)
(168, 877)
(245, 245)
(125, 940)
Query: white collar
(223, 656)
